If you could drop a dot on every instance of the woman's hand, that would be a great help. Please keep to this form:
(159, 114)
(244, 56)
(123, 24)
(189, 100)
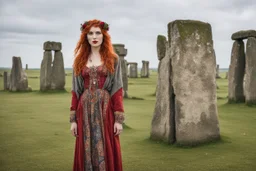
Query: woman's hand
(118, 128)
(73, 129)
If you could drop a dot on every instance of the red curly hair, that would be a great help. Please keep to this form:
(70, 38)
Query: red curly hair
(83, 49)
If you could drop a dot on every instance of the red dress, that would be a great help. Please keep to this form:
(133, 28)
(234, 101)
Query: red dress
(97, 148)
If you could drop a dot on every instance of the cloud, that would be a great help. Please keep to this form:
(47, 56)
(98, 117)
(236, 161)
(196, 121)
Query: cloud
(24, 26)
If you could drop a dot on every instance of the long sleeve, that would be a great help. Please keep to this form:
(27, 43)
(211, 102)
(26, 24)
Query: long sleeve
(74, 102)
(73, 107)
(118, 107)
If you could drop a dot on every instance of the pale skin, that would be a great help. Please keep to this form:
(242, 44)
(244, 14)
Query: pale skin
(95, 39)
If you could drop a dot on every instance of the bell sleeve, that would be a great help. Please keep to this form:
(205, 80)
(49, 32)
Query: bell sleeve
(74, 101)
(117, 106)
(117, 93)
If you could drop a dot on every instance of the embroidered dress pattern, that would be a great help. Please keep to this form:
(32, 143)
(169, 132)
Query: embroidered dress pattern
(95, 102)
(97, 149)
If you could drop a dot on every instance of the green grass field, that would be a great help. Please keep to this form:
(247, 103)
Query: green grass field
(35, 133)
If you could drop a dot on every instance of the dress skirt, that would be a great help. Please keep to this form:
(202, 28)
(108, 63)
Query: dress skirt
(96, 147)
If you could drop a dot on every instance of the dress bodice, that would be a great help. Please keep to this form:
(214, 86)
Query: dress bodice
(94, 77)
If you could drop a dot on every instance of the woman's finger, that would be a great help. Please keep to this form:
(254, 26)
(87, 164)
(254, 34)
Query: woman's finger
(115, 129)
(75, 132)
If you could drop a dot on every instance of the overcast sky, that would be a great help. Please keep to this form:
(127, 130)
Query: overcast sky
(26, 24)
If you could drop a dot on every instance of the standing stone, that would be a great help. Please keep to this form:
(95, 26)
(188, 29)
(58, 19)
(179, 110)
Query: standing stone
(122, 52)
(145, 69)
(128, 68)
(226, 77)
(133, 70)
(8, 80)
(163, 122)
(18, 77)
(56, 46)
(243, 34)
(5, 80)
(161, 46)
(250, 76)
(26, 66)
(193, 79)
(236, 73)
(48, 46)
(58, 72)
(218, 71)
(46, 71)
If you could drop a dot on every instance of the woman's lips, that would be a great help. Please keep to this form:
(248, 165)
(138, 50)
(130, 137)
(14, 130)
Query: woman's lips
(94, 42)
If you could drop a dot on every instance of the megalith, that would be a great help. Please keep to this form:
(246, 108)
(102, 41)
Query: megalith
(250, 70)
(122, 52)
(145, 69)
(46, 71)
(5, 80)
(52, 73)
(163, 122)
(58, 72)
(189, 86)
(218, 71)
(236, 73)
(133, 70)
(194, 83)
(18, 77)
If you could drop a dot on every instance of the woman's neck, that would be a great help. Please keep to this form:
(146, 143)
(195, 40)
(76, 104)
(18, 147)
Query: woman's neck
(94, 57)
(95, 51)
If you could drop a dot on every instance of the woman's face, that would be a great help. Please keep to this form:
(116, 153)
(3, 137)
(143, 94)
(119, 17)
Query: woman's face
(95, 37)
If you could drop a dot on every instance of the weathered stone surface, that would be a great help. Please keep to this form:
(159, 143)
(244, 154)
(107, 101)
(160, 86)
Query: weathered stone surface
(163, 122)
(58, 72)
(18, 77)
(250, 70)
(236, 73)
(56, 46)
(46, 71)
(8, 80)
(226, 77)
(133, 70)
(218, 71)
(5, 80)
(194, 83)
(125, 80)
(122, 52)
(128, 69)
(161, 46)
(48, 46)
(145, 69)
(244, 34)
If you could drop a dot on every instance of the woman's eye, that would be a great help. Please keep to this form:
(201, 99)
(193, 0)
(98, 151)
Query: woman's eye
(98, 32)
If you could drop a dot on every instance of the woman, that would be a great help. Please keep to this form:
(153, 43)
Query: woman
(97, 111)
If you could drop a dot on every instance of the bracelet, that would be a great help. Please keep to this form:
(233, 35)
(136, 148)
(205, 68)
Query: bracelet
(72, 117)
(119, 117)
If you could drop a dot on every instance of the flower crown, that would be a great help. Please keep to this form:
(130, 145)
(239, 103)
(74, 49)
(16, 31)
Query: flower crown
(103, 25)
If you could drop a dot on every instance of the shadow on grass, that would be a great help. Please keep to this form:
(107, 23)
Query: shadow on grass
(236, 104)
(36, 91)
(16, 92)
(126, 127)
(221, 141)
(52, 92)
(134, 98)
(221, 97)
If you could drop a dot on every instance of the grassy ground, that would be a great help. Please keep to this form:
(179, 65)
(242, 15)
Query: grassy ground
(35, 134)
